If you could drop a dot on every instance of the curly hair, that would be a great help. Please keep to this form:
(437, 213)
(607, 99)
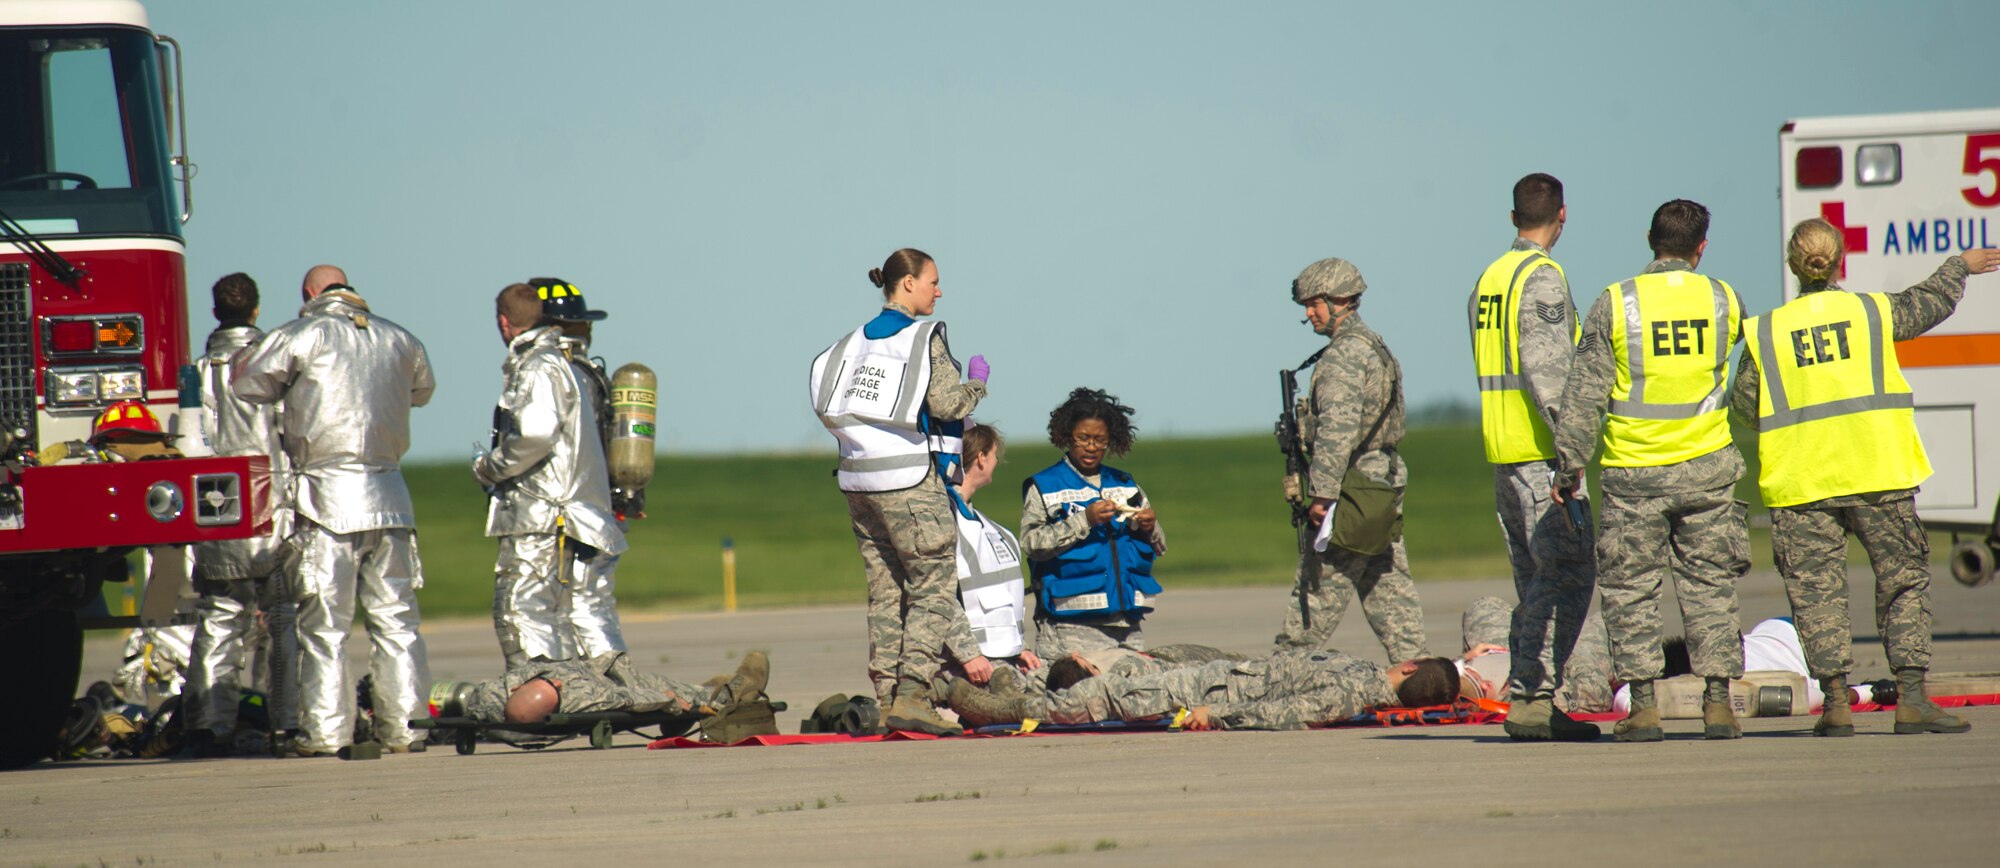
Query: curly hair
(1087, 403)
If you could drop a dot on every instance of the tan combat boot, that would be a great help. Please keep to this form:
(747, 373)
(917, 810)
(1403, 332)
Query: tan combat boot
(1718, 720)
(1643, 724)
(748, 682)
(979, 706)
(1836, 718)
(912, 712)
(1915, 712)
(1540, 720)
(1006, 683)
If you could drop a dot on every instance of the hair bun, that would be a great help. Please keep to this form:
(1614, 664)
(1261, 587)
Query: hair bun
(1819, 263)
(875, 277)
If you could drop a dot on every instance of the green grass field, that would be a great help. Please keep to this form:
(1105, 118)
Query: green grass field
(1217, 498)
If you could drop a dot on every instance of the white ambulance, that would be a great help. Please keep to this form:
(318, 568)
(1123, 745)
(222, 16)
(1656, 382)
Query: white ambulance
(1908, 190)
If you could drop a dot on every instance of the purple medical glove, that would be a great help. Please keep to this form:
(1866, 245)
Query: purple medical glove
(976, 368)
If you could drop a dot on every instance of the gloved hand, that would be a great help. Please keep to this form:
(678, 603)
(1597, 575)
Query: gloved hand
(976, 368)
(483, 473)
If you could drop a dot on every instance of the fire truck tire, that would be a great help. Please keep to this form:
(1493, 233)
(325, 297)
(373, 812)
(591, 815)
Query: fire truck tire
(30, 726)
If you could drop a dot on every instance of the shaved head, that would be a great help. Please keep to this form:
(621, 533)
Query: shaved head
(531, 702)
(318, 278)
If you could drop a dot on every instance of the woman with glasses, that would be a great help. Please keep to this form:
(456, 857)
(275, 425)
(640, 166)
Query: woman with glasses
(1089, 533)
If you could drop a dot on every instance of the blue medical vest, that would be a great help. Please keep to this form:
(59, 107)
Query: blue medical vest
(1111, 571)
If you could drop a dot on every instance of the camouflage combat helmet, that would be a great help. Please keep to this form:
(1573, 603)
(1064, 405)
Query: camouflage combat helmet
(1328, 278)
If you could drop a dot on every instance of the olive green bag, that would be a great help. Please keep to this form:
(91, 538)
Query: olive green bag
(1366, 519)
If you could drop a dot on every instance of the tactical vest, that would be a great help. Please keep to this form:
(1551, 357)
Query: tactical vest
(1834, 414)
(990, 584)
(1673, 361)
(870, 392)
(1514, 428)
(1109, 572)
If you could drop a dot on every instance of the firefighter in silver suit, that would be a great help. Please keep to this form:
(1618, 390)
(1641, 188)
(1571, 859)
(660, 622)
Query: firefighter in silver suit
(346, 380)
(239, 580)
(593, 586)
(550, 492)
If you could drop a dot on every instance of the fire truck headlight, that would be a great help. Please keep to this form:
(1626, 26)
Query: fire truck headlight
(1878, 165)
(164, 501)
(121, 386)
(72, 387)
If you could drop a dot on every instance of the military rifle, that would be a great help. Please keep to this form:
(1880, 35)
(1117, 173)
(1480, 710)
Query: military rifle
(1291, 442)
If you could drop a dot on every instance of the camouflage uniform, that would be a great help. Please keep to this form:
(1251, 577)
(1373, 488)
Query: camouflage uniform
(1680, 518)
(1587, 683)
(1289, 689)
(909, 547)
(1554, 573)
(1043, 538)
(1810, 540)
(1353, 386)
(606, 682)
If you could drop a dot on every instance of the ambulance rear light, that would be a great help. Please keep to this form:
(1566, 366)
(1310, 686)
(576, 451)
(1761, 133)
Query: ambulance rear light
(1817, 167)
(1878, 165)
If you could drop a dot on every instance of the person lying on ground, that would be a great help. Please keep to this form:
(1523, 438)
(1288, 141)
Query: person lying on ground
(1288, 689)
(1587, 684)
(530, 692)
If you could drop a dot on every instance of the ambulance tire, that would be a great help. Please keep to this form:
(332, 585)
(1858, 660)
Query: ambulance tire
(30, 728)
(1972, 563)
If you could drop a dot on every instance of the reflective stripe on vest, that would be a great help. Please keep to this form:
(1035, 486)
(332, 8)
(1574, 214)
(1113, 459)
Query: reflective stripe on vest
(1513, 427)
(870, 394)
(1673, 364)
(990, 585)
(1829, 425)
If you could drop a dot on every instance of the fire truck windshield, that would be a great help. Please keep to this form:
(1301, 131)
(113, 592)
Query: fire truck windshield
(83, 145)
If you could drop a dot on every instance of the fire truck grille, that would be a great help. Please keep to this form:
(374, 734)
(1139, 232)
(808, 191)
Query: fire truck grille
(17, 355)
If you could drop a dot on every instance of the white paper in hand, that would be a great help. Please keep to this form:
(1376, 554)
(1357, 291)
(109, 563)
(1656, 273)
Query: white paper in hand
(1325, 535)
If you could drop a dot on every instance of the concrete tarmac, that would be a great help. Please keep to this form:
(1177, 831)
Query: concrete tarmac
(1448, 795)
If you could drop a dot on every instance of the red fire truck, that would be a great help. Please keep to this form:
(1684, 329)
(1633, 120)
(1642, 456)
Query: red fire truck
(93, 311)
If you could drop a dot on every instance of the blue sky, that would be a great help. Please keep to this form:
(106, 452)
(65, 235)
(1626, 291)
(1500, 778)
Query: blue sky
(1118, 194)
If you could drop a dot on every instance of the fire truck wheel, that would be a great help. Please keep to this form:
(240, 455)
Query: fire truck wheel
(28, 729)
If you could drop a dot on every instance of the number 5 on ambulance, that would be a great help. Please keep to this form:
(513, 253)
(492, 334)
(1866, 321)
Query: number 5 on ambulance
(1907, 191)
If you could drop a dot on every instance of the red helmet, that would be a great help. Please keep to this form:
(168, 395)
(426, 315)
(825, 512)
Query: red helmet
(127, 420)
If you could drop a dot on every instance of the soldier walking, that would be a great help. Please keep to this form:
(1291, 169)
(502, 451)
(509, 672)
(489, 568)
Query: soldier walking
(1355, 417)
(1839, 453)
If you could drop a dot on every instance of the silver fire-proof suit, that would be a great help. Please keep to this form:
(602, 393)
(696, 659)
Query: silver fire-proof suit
(347, 380)
(550, 492)
(593, 594)
(239, 579)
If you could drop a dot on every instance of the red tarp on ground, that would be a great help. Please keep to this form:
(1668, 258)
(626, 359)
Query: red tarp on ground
(1485, 713)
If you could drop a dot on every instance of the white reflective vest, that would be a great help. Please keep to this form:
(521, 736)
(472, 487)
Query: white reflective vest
(870, 395)
(990, 585)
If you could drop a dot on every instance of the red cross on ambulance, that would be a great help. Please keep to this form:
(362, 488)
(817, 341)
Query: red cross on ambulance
(1854, 237)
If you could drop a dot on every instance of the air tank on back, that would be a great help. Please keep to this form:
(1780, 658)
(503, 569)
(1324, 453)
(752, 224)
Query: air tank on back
(634, 404)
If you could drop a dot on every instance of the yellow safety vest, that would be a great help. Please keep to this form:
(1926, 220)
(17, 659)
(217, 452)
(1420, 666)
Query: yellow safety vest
(1834, 414)
(1673, 360)
(1514, 428)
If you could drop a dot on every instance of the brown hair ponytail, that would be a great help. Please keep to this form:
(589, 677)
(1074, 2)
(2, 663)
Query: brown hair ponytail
(907, 262)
